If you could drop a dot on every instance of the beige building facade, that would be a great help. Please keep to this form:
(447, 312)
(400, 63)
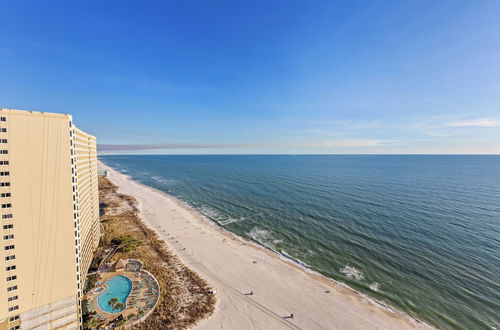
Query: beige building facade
(49, 219)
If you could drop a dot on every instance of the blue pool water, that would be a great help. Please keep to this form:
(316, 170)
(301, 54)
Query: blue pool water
(118, 287)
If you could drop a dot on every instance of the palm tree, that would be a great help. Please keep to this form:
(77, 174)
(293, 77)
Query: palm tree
(113, 302)
(93, 323)
(119, 306)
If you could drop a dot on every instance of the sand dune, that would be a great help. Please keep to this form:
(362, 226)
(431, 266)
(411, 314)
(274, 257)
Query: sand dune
(235, 268)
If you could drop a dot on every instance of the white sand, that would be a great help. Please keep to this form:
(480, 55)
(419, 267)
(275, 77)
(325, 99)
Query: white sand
(279, 287)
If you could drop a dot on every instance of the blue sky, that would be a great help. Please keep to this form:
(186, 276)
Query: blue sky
(260, 76)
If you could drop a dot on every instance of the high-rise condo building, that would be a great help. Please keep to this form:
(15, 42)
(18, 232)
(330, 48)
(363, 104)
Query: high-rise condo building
(49, 219)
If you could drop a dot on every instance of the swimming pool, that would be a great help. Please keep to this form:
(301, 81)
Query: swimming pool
(118, 287)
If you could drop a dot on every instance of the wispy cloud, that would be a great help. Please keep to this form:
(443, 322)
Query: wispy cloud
(345, 143)
(441, 126)
(348, 124)
(166, 146)
(202, 146)
(479, 122)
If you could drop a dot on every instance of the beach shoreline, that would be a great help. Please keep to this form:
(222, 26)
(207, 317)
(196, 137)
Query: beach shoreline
(236, 267)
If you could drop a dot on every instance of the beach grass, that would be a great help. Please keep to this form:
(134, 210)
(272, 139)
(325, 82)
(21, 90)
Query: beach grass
(185, 297)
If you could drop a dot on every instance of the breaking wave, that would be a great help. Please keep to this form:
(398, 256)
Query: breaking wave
(260, 235)
(352, 272)
(375, 286)
(231, 220)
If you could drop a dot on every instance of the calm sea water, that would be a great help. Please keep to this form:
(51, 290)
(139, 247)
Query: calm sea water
(421, 233)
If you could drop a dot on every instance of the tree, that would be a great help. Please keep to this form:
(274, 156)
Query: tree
(119, 306)
(90, 321)
(91, 279)
(113, 302)
(93, 323)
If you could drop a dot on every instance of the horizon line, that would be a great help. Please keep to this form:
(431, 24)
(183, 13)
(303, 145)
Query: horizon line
(312, 154)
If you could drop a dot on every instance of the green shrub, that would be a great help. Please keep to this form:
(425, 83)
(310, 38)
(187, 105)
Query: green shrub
(91, 279)
(127, 243)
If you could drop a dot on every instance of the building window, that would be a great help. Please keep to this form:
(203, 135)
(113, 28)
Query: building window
(7, 216)
(7, 237)
(9, 268)
(5, 195)
(14, 318)
(4, 173)
(4, 152)
(9, 247)
(3, 118)
(12, 288)
(13, 308)
(12, 257)
(4, 162)
(17, 327)
(9, 226)
(3, 140)
(11, 278)
(12, 298)
(6, 206)
(4, 184)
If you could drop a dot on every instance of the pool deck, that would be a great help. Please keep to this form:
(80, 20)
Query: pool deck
(144, 294)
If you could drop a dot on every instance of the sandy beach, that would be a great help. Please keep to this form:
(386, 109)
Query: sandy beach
(236, 268)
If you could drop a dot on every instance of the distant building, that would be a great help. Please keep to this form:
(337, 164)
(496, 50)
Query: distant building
(49, 218)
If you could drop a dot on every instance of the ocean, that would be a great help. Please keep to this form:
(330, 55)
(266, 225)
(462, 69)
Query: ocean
(418, 232)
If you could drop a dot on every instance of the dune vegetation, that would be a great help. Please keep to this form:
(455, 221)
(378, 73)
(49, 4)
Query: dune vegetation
(185, 297)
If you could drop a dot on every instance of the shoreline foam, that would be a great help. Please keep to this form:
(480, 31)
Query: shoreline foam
(384, 315)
